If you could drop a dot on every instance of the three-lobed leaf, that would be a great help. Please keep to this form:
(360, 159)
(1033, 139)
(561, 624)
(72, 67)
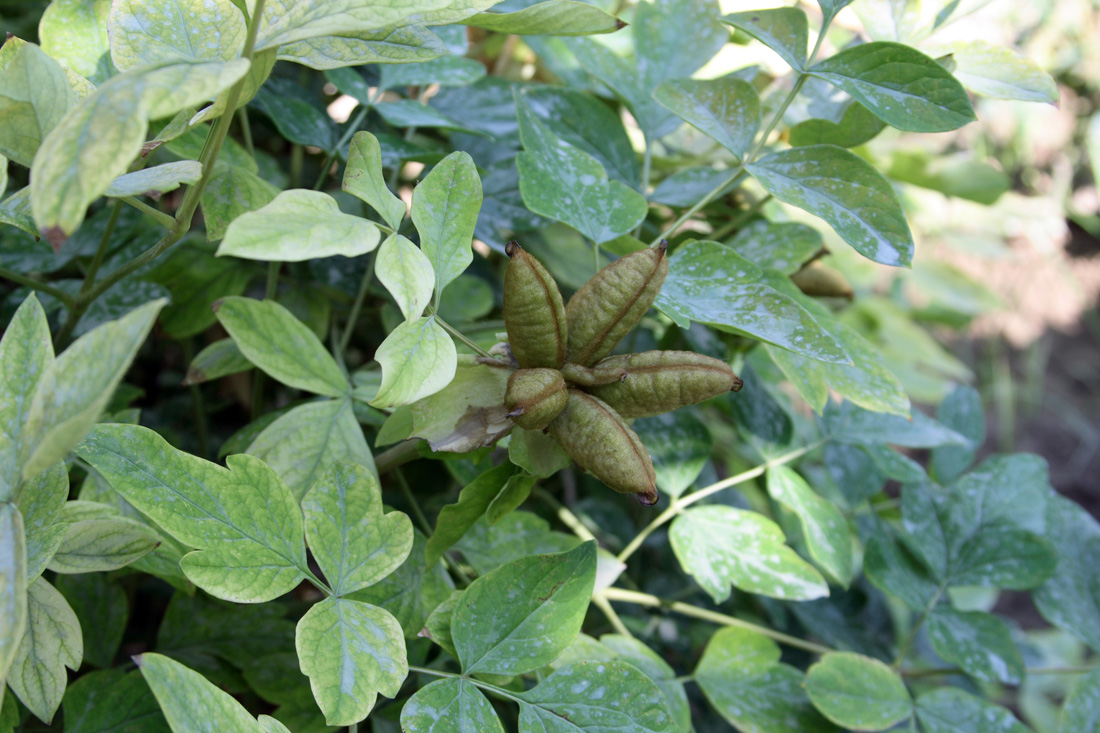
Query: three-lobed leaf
(547, 599)
(353, 541)
(351, 651)
(244, 522)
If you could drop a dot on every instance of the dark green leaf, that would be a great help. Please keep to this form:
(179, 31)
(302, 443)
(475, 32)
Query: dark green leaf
(297, 116)
(855, 127)
(456, 519)
(783, 30)
(112, 700)
(1082, 708)
(950, 710)
(449, 704)
(858, 692)
(548, 597)
(679, 444)
(594, 696)
(1071, 597)
(902, 86)
(844, 190)
(979, 643)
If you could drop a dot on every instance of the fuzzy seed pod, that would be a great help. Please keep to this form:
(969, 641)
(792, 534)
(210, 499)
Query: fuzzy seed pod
(583, 376)
(533, 312)
(601, 443)
(661, 381)
(817, 279)
(534, 397)
(612, 302)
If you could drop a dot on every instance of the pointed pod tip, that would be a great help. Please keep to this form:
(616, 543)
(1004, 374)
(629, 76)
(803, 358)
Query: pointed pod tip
(514, 413)
(648, 498)
(663, 246)
(738, 383)
(511, 248)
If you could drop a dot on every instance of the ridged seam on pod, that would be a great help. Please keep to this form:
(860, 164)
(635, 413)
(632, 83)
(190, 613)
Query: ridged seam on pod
(534, 397)
(661, 381)
(610, 304)
(533, 312)
(583, 376)
(601, 443)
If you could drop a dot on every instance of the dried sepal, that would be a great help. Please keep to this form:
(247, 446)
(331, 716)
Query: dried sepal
(661, 381)
(535, 397)
(533, 312)
(600, 442)
(610, 304)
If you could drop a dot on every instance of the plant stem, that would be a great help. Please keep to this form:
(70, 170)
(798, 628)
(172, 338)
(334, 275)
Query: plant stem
(903, 648)
(568, 518)
(163, 219)
(188, 347)
(353, 128)
(398, 455)
(271, 286)
(739, 219)
(493, 689)
(685, 609)
(647, 163)
(89, 277)
(357, 305)
(246, 131)
(746, 160)
(678, 504)
(458, 335)
(30, 282)
(604, 605)
(188, 205)
(418, 513)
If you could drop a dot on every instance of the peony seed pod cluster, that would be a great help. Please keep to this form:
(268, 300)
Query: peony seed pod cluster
(567, 385)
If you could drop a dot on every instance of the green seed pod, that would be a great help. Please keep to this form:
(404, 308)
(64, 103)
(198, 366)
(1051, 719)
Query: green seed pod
(533, 312)
(816, 279)
(661, 381)
(612, 302)
(534, 397)
(601, 443)
(583, 376)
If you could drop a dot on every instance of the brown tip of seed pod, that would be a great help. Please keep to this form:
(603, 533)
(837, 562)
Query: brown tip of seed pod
(515, 413)
(511, 248)
(738, 383)
(663, 246)
(649, 498)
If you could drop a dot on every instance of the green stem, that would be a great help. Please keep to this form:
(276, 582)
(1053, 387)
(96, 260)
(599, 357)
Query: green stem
(191, 197)
(684, 609)
(604, 605)
(679, 503)
(163, 219)
(737, 221)
(188, 347)
(492, 689)
(271, 286)
(398, 455)
(87, 287)
(567, 517)
(903, 648)
(30, 282)
(458, 335)
(647, 163)
(357, 305)
(747, 159)
(334, 151)
(246, 131)
(418, 513)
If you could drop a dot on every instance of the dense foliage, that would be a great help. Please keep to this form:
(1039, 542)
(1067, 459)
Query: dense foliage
(334, 451)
